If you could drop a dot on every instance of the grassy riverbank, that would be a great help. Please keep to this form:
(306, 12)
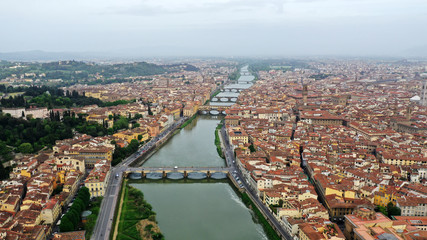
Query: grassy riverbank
(235, 75)
(137, 220)
(271, 234)
(218, 141)
(188, 121)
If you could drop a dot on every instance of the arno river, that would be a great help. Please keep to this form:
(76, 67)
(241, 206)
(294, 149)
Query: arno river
(192, 146)
(206, 209)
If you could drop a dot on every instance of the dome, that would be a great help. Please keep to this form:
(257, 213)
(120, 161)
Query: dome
(85, 214)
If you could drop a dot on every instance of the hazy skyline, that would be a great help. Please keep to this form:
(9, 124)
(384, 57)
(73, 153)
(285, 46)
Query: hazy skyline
(216, 27)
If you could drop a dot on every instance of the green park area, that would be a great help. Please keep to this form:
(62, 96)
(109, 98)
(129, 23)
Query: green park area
(137, 220)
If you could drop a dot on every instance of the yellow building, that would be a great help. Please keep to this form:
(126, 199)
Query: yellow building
(92, 155)
(102, 120)
(9, 203)
(403, 160)
(189, 110)
(60, 175)
(290, 212)
(71, 183)
(306, 195)
(176, 112)
(238, 133)
(38, 233)
(70, 163)
(97, 180)
(349, 194)
(93, 94)
(384, 196)
(25, 173)
(29, 218)
(51, 211)
(129, 135)
(272, 198)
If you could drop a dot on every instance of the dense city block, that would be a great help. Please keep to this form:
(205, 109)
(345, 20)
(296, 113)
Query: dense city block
(335, 149)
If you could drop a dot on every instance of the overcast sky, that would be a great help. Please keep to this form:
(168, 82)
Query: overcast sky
(215, 27)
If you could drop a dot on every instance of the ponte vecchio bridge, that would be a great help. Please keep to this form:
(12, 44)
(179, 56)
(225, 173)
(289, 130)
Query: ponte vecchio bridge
(177, 172)
(224, 99)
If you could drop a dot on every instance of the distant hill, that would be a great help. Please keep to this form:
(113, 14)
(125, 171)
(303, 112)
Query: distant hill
(70, 72)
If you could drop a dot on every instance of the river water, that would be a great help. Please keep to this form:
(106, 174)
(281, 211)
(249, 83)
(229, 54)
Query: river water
(192, 146)
(208, 210)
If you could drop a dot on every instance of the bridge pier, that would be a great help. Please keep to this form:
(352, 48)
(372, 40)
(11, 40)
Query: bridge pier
(208, 174)
(164, 174)
(185, 174)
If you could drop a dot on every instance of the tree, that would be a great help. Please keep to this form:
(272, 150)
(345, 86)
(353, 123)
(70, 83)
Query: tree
(74, 217)
(66, 224)
(84, 195)
(382, 209)
(79, 205)
(25, 148)
(393, 210)
(4, 173)
(252, 148)
(121, 123)
(5, 151)
(149, 110)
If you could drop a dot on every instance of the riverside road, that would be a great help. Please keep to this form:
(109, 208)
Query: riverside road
(233, 167)
(104, 223)
(105, 220)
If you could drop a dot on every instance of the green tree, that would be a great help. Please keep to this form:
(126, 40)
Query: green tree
(84, 195)
(25, 148)
(382, 209)
(252, 148)
(74, 217)
(5, 151)
(79, 205)
(393, 210)
(66, 224)
(121, 123)
(4, 173)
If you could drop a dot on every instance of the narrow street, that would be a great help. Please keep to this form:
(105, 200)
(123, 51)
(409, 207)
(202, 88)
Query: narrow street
(251, 192)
